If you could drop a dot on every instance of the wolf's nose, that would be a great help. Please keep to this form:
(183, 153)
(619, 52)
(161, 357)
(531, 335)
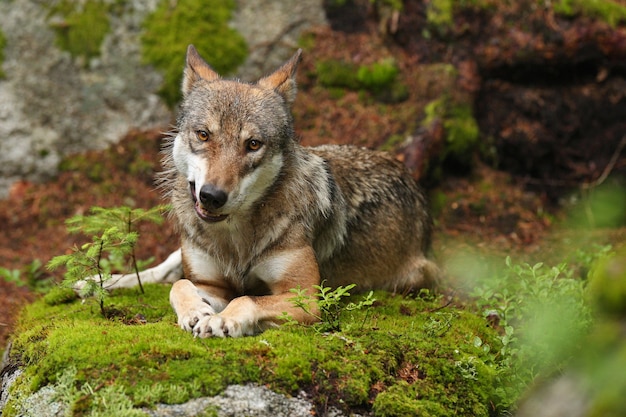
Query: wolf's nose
(212, 197)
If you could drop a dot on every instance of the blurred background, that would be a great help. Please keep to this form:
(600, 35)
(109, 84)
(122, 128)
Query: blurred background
(512, 114)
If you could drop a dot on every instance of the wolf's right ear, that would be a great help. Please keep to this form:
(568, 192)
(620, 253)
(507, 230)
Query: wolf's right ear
(195, 70)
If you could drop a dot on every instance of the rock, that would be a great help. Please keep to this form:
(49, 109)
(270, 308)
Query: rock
(271, 44)
(53, 104)
(240, 400)
(248, 400)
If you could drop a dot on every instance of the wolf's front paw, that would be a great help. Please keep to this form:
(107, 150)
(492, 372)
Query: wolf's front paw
(218, 326)
(189, 319)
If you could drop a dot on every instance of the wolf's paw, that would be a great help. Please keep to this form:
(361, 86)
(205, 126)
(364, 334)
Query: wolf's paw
(190, 318)
(218, 326)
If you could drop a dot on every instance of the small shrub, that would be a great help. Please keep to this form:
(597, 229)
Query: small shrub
(331, 305)
(542, 312)
(113, 241)
(30, 276)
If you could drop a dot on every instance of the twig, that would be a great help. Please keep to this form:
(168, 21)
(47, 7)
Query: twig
(587, 188)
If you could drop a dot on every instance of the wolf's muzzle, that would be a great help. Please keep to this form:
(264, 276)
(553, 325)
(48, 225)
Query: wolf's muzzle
(211, 199)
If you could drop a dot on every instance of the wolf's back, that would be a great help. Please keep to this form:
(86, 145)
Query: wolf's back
(387, 224)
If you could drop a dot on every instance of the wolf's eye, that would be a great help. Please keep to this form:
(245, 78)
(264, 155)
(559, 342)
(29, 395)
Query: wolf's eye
(203, 135)
(253, 145)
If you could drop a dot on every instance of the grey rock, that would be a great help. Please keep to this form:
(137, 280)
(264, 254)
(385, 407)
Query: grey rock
(52, 104)
(272, 29)
(239, 400)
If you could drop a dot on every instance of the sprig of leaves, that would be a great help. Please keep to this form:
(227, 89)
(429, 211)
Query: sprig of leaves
(113, 240)
(330, 303)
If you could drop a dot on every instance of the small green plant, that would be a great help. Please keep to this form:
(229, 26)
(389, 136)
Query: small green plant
(541, 311)
(611, 12)
(331, 305)
(31, 276)
(86, 261)
(113, 241)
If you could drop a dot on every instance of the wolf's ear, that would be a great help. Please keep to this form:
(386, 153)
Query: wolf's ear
(283, 80)
(196, 69)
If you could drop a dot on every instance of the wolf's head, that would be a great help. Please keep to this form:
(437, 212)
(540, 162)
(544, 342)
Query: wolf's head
(232, 137)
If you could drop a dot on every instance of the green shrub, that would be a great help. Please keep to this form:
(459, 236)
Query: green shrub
(175, 25)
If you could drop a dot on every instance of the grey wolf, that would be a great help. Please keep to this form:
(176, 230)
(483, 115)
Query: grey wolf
(260, 214)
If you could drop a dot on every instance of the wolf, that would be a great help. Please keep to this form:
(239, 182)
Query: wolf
(259, 214)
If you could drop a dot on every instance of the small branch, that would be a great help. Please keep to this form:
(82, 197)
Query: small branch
(133, 258)
(609, 167)
(587, 188)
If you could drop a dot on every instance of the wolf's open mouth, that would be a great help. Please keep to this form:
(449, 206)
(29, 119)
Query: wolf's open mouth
(201, 211)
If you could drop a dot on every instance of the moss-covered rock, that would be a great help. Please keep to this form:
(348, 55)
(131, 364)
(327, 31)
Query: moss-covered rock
(175, 25)
(398, 356)
(81, 26)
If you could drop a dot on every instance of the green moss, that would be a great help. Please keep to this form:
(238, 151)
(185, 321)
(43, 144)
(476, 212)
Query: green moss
(333, 73)
(382, 360)
(439, 14)
(3, 44)
(60, 295)
(380, 79)
(460, 127)
(175, 25)
(83, 28)
(609, 11)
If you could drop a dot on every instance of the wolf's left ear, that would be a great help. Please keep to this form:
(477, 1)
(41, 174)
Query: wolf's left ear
(196, 69)
(283, 80)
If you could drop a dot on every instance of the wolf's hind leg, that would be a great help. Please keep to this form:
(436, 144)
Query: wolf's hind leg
(167, 271)
(420, 272)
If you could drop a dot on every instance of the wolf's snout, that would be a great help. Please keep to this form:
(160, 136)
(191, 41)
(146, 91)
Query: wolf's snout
(212, 198)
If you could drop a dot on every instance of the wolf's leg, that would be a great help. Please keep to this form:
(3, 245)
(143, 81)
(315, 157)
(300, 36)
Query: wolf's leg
(248, 315)
(167, 271)
(419, 272)
(195, 302)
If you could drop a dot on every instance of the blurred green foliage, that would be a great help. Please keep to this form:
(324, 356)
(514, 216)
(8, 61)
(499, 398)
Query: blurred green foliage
(83, 28)
(381, 79)
(610, 11)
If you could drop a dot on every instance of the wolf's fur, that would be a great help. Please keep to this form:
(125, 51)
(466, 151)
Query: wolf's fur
(256, 222)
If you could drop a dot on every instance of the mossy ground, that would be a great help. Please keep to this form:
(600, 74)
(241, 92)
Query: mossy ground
(404, 354)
